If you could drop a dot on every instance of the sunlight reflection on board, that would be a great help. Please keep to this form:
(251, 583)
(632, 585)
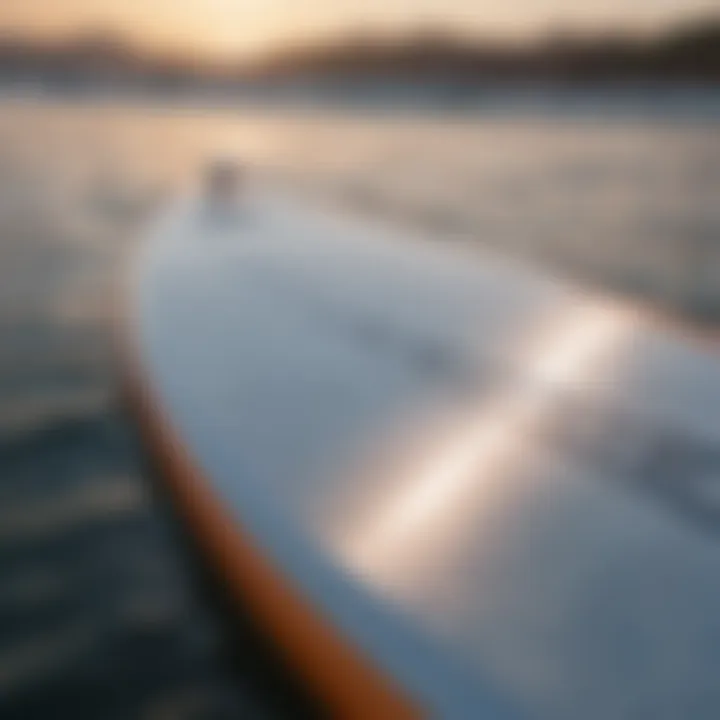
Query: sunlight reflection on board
(484, 446)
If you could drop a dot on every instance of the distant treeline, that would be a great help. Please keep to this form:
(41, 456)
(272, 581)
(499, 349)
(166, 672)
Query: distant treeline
(690, 53)
(96, 59)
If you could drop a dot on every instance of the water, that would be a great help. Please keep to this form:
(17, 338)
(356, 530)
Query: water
(624, 200)
(92, 585)
(101, 614)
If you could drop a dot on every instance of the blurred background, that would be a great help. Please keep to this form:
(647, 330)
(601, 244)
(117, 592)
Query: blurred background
(582, 136)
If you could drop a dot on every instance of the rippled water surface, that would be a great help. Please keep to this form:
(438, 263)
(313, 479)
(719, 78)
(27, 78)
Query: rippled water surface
(101, 614)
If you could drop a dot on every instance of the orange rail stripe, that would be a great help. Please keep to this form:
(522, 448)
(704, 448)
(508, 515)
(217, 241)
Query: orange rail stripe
(344, 680)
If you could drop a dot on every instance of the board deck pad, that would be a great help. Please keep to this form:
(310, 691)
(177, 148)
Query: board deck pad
(503, 489)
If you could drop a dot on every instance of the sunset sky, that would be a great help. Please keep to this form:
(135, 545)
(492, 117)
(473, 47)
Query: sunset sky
(231, 27)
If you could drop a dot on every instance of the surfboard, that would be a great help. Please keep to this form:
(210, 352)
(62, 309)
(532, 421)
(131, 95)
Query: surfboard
(446, 484)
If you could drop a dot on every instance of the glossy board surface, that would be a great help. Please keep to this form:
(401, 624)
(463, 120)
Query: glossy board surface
(504, 490)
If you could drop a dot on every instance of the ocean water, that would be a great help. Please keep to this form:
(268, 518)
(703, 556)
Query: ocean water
(626, 200)
(102, 614)
(93, 589)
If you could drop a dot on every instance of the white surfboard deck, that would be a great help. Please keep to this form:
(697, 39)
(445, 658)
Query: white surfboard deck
(505, 491)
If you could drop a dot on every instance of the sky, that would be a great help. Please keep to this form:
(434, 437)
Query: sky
(246, 27)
